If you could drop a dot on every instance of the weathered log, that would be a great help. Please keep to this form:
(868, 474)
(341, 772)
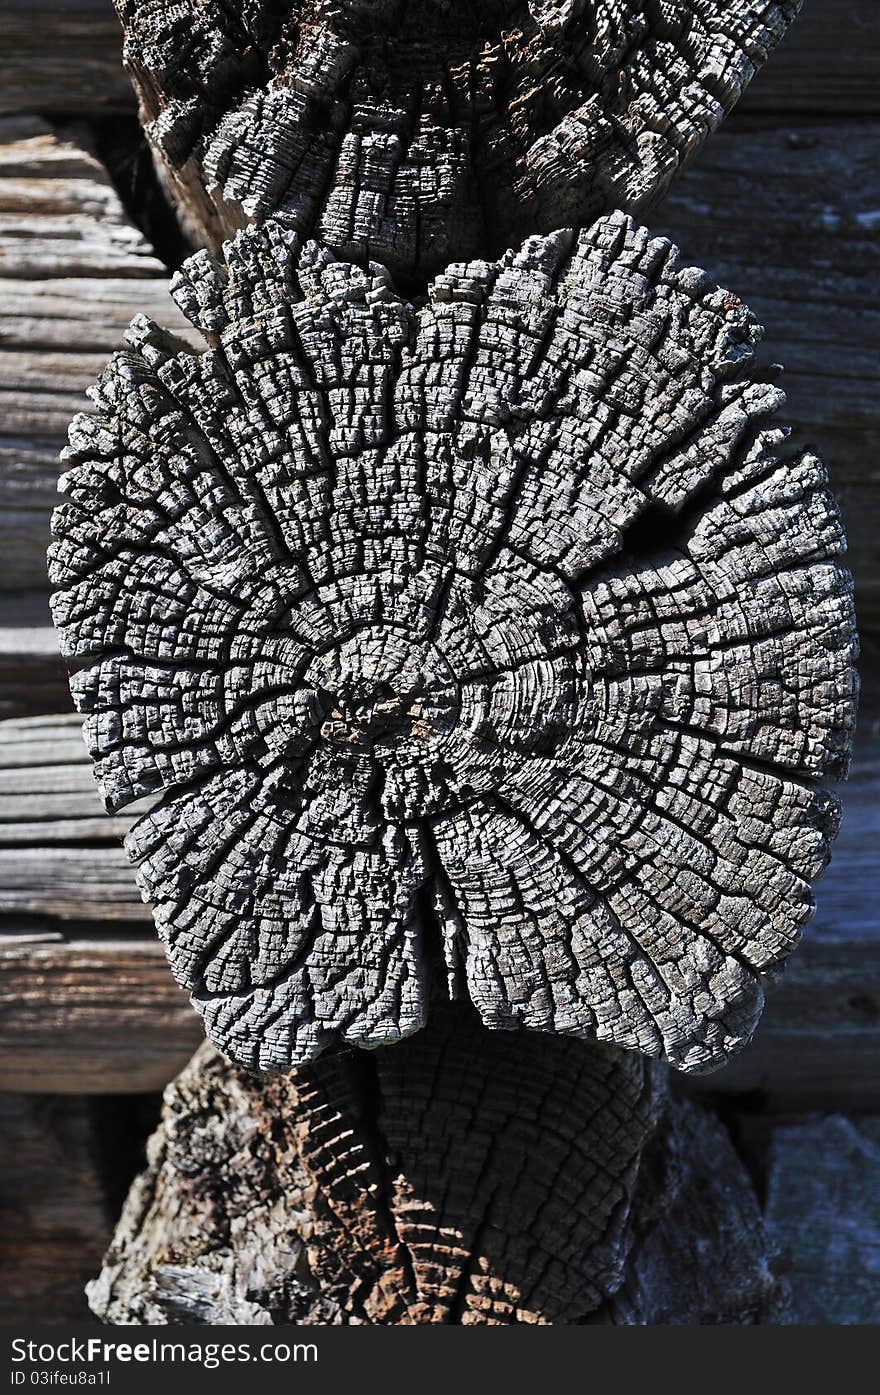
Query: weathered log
(506, 630)
(788, 214)
(460, 1178)
(72, 268)
(419, 133)
(810, 189)
(87, 1008)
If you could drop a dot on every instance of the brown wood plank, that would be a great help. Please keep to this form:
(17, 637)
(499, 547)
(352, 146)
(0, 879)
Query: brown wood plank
(96, 1017)
(62, 57)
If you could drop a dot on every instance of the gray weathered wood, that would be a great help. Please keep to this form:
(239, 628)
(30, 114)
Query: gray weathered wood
(796, 270)
(84, 1010)
(384, 1190)
(72, 270)
(94, 1015)
(700, 1254)
(417, 134)
(508, 626)
(33, 677)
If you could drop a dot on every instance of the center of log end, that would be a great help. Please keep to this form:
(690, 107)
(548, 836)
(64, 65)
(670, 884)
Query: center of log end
(383, 716)
(381, 689)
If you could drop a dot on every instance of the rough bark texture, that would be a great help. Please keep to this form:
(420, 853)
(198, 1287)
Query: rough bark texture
(506, 626)
(463, 1178)
(418, 133)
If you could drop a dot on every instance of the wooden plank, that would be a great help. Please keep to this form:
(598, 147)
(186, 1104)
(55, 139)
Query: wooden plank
(91, 1016)
(62, 57)
(73, 271)
(823, 1218)
(59, 213)
(65, 56)
(54, 1211)
(789, 218)
(828, 62)
(33, 678)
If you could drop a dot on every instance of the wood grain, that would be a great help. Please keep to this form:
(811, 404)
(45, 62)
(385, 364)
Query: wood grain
(62, 58)
(789, 215)
(459, 1179)
(829, 63)
(823, 1218)
(54, 1215)
(86, 1010)
(507, 631)
(100, 1015)
(73, 270)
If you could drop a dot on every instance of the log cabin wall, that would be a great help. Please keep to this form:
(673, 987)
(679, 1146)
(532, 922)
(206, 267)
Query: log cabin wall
(783, 205)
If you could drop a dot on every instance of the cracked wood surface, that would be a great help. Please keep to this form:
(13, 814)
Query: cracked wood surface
(464, 1179)
(805, 256)
(419, 133)
(507, 630)
(468, 1178)
(86, 1009)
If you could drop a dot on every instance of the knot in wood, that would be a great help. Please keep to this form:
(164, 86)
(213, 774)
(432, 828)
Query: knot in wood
(506, 626)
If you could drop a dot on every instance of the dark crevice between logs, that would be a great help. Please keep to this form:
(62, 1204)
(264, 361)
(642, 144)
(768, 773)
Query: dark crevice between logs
(121, 1125)
(122, 148)
(362, 1070)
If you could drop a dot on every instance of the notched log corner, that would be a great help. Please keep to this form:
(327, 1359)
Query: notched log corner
(465, 1177)
(506, 632)
(422, 132)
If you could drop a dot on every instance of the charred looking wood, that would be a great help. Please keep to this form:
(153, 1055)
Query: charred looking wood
(481, 1179)
(416, 134)
(352, 590)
